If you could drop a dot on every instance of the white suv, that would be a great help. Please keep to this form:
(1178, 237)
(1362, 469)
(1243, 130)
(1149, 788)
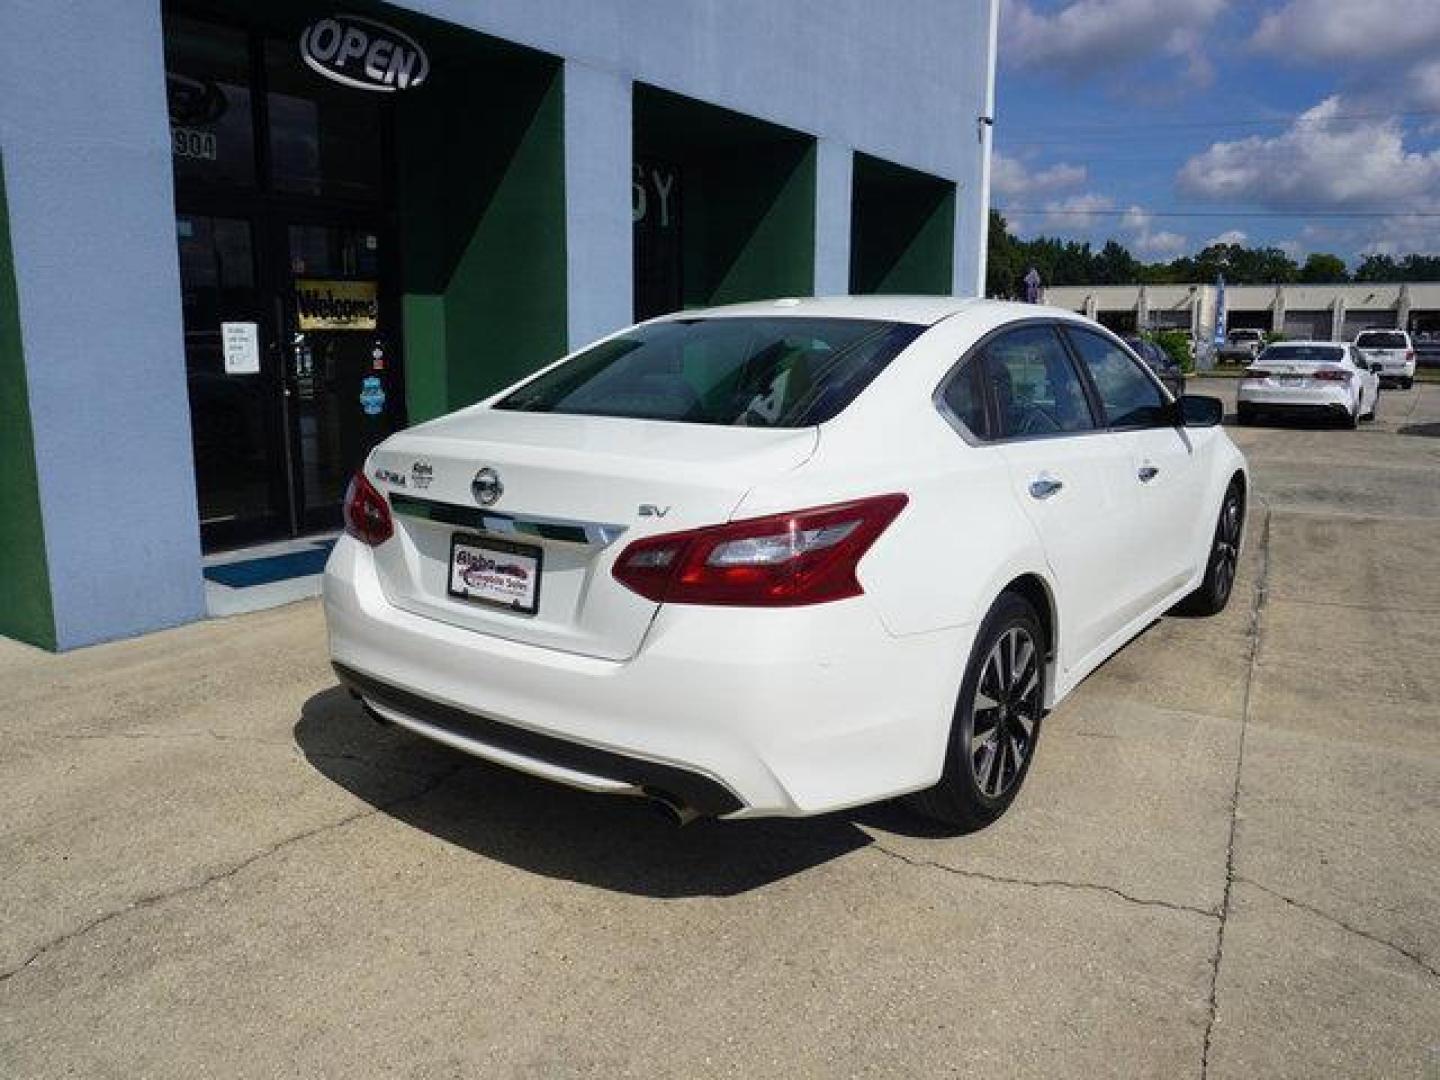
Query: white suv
(1390, 353)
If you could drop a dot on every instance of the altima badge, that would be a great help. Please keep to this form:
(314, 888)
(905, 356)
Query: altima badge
(487, 487)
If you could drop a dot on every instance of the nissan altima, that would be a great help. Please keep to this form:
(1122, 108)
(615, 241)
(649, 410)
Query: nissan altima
(787, 557)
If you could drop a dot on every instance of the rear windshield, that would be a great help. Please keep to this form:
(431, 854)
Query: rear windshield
(1302, 354)
(1384, 339)
(760, 372)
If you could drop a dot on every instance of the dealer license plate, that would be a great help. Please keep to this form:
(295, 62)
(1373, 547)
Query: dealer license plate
(495, 572)
(1292, 380)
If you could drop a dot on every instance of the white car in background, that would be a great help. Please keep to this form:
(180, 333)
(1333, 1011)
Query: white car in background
(1315, 378)
(1392, 351)
(784, 557)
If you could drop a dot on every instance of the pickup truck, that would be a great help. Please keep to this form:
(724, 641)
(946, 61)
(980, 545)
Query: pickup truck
(1241, 346)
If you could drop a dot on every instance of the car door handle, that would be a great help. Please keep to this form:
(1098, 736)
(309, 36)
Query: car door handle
(1042, 487)
(1148, 473)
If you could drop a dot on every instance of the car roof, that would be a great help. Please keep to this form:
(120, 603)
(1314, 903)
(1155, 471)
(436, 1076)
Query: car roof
(1309, 344)
(919, 310)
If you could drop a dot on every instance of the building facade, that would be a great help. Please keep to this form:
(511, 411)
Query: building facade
(243, 240)
(1314, 312)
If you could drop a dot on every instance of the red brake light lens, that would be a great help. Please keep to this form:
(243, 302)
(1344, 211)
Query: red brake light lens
(782, 560)
(1331, 374)
(367, 514)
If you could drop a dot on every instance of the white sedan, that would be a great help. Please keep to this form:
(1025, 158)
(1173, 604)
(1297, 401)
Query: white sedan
(1318, 378)
(784, 557)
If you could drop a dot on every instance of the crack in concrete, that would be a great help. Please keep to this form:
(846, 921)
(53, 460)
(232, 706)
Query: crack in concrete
(1043, 883)
(154, 899)
(309, 755)
(206, 734)
(1415, 958)
(1262, 584)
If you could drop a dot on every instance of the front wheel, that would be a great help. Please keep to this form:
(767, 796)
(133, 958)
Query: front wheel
(1224, 560)
(996, 722)
(1407, 382)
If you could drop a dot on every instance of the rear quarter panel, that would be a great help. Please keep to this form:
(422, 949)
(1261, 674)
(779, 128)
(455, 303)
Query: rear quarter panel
(962, 537)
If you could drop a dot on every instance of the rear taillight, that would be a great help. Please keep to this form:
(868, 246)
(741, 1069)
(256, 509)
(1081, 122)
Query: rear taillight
(784, 560)
(1256, 373)
(367, 514)
(1409, 355)
(1330, 374)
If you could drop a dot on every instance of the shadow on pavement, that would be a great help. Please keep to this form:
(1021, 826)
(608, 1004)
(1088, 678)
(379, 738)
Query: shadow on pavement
(1426, 431)
(616, 843)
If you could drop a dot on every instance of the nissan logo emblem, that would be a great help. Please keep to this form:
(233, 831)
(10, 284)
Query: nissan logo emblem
(487, 487)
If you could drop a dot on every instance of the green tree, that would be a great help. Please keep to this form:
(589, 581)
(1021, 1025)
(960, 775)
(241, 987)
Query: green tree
(1378, 268)
(1324, 269)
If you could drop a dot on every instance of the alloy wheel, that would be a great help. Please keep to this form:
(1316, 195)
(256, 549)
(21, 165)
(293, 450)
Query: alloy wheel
(1226, 556)
(1006, 712)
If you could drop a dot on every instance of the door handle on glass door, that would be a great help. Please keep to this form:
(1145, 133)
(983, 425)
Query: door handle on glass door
(1043, 486)
(1148, 473)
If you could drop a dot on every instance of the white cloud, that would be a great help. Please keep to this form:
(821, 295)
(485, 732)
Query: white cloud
(1349, 30)
(1384, 49)
(1319, 161)
(1229, 236)
(1011, 177)
(1148, 241)
(1087, 37)
(1077, 213)
(1095, 217)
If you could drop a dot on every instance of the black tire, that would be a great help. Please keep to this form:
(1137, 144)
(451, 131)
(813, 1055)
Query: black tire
(1223, 562)
(1243, 416)
(1407, 383)
(1352, 419)
(1006, 669)
(1375, 404)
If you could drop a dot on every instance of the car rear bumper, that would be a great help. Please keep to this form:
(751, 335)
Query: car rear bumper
(737, 712)
(1277, 399)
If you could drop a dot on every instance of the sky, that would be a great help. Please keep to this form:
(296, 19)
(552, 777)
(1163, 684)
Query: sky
(1308, 125)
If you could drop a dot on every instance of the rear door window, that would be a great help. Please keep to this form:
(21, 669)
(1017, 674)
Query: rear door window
(1036, 389)
(1130, 397)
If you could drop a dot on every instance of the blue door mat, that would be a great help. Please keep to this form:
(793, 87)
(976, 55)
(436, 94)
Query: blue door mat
(272, 568)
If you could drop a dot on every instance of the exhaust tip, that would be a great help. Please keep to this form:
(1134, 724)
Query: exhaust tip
(676, 812)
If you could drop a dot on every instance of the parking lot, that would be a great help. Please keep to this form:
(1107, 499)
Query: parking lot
(1225, 861)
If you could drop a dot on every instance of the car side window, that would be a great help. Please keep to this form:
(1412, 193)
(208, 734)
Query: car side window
(1035, 387)
(965, 398)
(1130, 397)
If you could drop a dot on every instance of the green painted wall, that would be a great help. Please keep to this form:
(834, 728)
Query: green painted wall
(481, 195)
(749, 225)
(902, 230)
(747, 198)
(25, 608)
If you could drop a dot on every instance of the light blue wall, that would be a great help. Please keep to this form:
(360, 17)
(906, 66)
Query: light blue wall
(902, 80)
(834, 179)
(599, 232)
(87, 172)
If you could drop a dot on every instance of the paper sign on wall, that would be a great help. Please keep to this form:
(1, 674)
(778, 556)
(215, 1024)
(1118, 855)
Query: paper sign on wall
(240, 344)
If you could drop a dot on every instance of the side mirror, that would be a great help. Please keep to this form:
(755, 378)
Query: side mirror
(1198, 410)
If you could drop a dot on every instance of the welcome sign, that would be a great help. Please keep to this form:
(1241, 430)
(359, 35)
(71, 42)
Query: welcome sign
(337, 305)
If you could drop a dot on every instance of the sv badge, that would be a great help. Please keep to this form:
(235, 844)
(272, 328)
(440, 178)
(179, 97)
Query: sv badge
(651, 510)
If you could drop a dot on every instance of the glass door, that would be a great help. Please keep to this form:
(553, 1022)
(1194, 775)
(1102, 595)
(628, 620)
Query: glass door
(232, 382)
(343, 389)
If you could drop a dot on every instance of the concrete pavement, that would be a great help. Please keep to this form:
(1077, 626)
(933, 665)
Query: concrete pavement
(1224, 862)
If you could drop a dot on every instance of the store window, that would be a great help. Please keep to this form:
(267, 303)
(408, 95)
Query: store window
(207, 82)
(322, 135)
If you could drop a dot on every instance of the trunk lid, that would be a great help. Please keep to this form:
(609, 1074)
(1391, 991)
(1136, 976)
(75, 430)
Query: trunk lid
(576, 491)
